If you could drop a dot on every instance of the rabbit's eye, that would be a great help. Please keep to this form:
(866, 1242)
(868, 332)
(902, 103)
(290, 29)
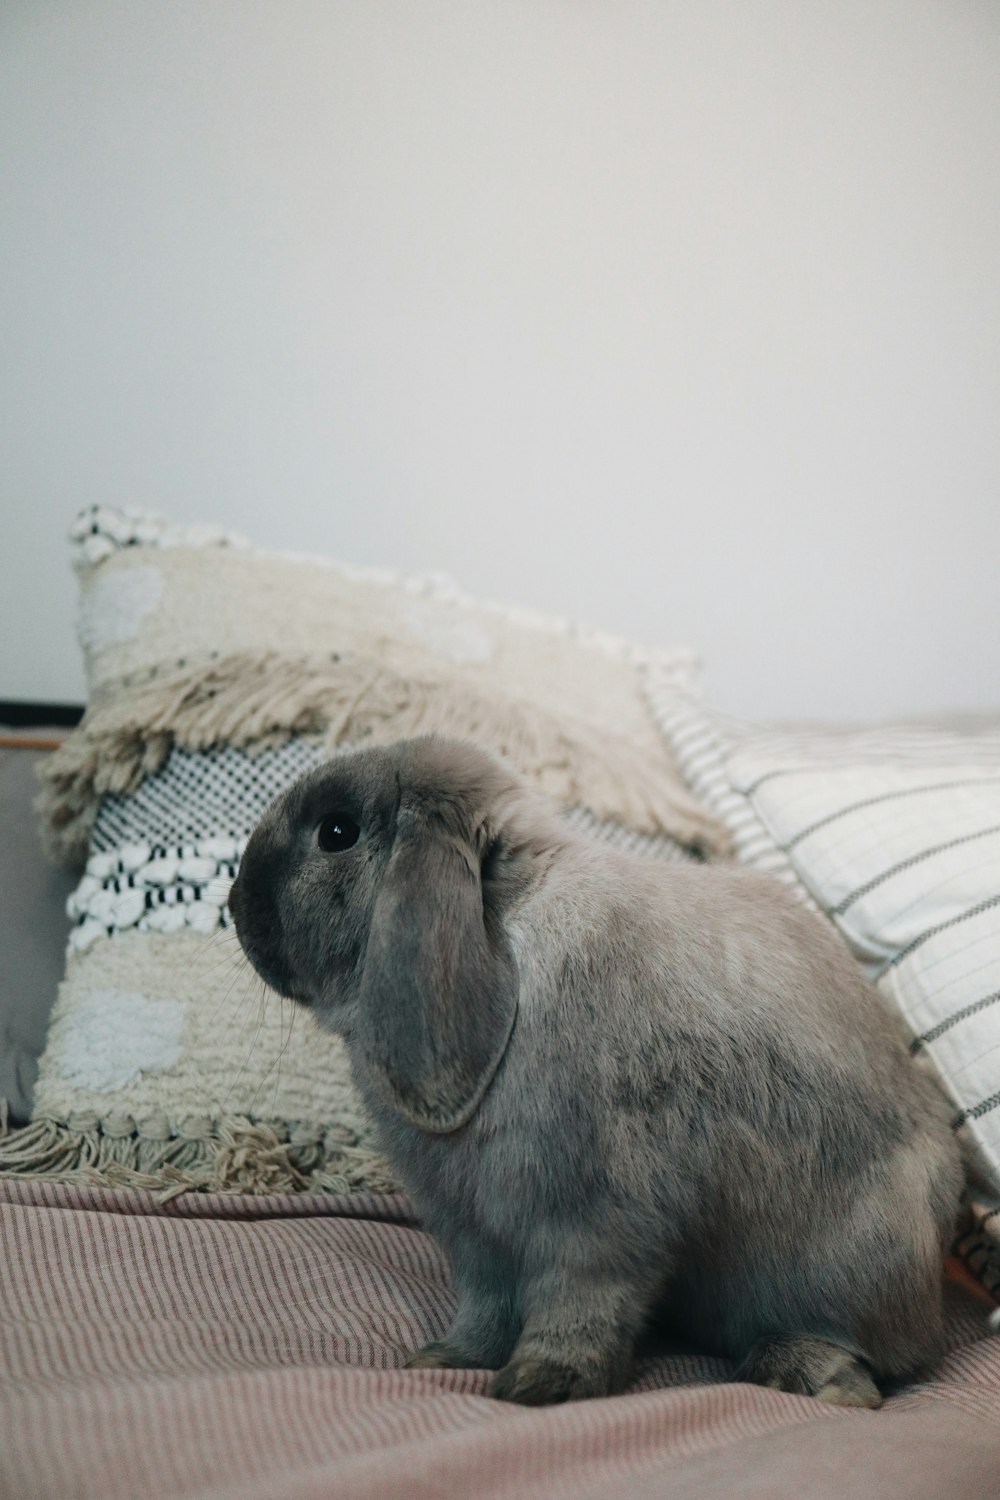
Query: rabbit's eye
(337, 833)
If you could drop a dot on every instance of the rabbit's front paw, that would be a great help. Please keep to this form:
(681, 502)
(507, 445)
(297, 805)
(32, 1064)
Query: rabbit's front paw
(440, 1355)
(533, 1381)
(809, 1366)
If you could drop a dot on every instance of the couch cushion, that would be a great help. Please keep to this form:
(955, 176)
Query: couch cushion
(33, 930)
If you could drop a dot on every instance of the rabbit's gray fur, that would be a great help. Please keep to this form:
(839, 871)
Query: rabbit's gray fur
(620, 1092)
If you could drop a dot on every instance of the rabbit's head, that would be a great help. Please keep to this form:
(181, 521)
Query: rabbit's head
(375, 890)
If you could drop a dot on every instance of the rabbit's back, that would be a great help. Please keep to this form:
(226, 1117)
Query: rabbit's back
(693, 1043)
(708, 980)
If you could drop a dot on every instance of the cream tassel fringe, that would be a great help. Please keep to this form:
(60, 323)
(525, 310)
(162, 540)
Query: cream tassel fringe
(129, 730)
(234, 1155)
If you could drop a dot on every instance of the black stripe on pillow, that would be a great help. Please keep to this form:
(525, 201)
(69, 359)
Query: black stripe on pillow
(906, 864)
(984, 1107)
(912, 791)
(918, 942)
(950, 1021)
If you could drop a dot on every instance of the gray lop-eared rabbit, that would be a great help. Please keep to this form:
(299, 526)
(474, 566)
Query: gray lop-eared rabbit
(623, 1094)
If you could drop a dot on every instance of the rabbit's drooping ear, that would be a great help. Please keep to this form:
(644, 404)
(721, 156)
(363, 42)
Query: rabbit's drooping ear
(438, 990)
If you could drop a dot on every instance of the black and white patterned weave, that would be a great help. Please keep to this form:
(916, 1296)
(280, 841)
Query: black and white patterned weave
(203, 794)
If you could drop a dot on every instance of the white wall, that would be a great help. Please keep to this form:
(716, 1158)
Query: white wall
(682, 318)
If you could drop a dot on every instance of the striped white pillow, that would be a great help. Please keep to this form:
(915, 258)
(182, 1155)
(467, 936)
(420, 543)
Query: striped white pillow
(894, 834)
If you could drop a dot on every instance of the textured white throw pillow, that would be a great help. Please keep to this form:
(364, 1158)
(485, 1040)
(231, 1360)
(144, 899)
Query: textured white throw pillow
(217, 675)
(894, 834)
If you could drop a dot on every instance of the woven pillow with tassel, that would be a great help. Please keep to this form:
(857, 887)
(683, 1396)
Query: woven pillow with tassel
(217, 675)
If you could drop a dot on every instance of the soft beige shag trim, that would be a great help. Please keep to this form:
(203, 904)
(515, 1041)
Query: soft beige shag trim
(233, 1155)
(257, 701)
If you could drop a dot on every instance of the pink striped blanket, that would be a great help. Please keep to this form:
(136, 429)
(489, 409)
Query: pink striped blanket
(232, 1348)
